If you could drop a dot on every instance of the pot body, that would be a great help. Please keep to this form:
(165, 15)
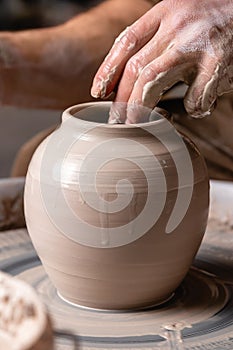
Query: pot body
(116, 212)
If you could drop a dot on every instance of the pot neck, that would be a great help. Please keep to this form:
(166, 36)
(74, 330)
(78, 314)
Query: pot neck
(94, 116)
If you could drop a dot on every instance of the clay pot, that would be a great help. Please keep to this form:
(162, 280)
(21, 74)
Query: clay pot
(116, 212)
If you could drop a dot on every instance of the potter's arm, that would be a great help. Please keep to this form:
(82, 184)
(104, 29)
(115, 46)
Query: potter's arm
(177, 40)
(54, 67)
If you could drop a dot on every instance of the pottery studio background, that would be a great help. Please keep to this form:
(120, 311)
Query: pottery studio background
(17, 124)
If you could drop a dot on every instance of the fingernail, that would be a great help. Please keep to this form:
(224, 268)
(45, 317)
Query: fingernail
(95, 92)
(99, 88)
(200, 114)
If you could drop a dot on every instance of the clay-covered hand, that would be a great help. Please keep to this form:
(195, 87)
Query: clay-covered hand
(177, 40)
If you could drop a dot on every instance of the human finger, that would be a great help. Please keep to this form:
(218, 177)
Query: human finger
(156, 78)
(202, 94)
(154, 48)
(130, 41)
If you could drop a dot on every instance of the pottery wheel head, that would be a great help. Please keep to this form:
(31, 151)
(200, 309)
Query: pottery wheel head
(198, 299)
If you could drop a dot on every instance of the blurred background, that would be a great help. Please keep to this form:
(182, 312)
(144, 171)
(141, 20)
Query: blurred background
(17, 125)
(25, 14)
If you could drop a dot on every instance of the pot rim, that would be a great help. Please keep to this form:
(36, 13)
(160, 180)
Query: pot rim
(71, 111)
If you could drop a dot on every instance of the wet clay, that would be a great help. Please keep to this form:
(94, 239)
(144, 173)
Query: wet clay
(24, 324)
(103, 257)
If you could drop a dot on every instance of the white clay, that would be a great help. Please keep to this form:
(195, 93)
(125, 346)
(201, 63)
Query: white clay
(23, 320)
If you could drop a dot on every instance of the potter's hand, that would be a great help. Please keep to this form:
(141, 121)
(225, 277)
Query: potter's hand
(177, 40)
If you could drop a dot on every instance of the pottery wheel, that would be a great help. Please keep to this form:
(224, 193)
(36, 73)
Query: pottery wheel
(200, 311)
(198, 316)
(198, 299)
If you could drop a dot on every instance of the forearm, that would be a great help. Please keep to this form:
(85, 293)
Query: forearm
(24, 69)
